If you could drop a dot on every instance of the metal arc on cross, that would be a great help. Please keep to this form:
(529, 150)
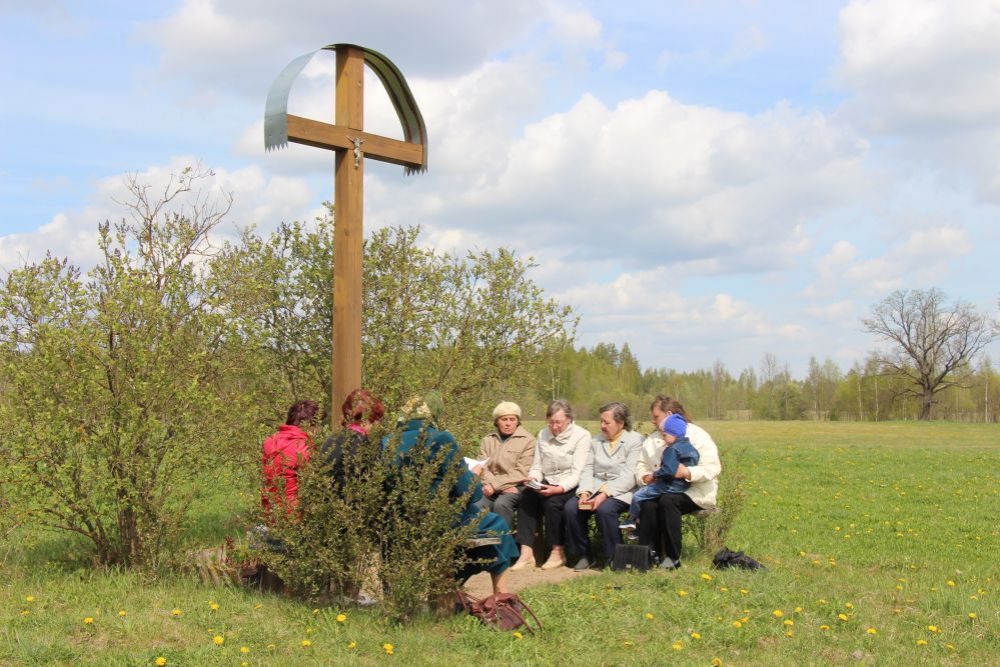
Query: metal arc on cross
(351, 144)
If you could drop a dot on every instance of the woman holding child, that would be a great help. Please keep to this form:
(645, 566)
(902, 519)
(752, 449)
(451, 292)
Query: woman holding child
(560, 454)
(660, 518)
(606, 484)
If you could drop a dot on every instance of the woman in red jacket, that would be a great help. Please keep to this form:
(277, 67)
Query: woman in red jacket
(286, 450)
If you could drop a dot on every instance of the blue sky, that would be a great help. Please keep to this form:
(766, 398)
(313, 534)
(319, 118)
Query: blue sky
(704, 179)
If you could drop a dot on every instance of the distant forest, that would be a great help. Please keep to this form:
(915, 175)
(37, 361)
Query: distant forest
(591, 377)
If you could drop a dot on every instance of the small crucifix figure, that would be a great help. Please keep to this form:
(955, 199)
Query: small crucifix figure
(345, 138)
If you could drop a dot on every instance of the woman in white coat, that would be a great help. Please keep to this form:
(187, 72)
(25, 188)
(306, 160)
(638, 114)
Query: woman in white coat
(660, 519)
(560, 454)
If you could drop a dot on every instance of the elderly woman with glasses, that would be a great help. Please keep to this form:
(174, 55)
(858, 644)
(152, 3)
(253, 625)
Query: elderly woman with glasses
(560, 454)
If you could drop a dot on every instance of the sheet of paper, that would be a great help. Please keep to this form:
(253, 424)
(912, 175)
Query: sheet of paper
(472, 463)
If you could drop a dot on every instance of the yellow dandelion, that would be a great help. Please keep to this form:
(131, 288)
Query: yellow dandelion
(706, 577)
(627, 644)
(649, 616)
(824, 627)
(972, 615)
(677, 645)
(951, 583)
(695, 635)
(341, 618)
(723, 589)
(270, 647)
(29, 599)
(744, 591)
(25, 612)
(306, 643)
(214, 606)
(921, 642)
(122, 613)
(517, 635)
(87, 621)
(842, 617)
(315, 611)
(258, 606)
(798, 610)
(219, 640)
(950, 647)
(737, 624)
(160, 661)
(388, 648)
(244, 649)
(682, 593)
(176, 612)
(778, 613)
(849, 605)
(716, 662)
(789, 622)
(933, 628)
(872, 631)
(821, 601)
(789, 634)
(351, 645)
(244, 664)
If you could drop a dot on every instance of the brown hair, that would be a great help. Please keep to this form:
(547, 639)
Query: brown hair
(619, 412)
(362, 405)
(302, 412)
(560, 404)
(671, 405)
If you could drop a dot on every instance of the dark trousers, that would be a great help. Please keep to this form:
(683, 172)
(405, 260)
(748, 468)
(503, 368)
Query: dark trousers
(660, 523)
(504, 504)
(531, 509)
(577, 530)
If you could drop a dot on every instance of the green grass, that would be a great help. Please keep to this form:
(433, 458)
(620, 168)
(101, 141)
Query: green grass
(892, 525)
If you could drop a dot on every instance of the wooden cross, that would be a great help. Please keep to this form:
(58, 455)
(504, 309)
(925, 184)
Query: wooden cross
(351, 144)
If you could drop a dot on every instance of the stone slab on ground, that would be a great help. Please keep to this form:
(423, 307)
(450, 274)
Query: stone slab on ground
(480, 586)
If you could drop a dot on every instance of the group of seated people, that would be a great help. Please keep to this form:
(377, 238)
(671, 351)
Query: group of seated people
(560, 478)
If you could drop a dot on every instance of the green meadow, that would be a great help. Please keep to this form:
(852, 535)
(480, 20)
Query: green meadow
(881, 541)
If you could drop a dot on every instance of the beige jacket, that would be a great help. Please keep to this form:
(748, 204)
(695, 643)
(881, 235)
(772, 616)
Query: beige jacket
(509, 460)
(559, 460)
(704, 487)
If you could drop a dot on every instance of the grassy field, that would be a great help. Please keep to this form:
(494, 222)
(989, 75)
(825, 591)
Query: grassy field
(881, 541)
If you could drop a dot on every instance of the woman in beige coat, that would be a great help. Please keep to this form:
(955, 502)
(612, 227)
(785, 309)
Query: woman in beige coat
(510, 451)
(560, 454)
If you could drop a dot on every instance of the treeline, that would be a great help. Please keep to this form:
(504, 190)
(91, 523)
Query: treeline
(591, 377)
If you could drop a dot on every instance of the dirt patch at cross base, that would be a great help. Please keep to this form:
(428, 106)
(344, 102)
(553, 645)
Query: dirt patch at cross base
(480, 586)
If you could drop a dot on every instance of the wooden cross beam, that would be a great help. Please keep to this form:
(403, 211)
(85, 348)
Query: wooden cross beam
(351, 144)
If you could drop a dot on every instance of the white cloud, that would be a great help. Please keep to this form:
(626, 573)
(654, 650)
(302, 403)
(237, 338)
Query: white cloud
(928, 71)
(241, 45)
(746, 44)
(259, 200)
(922, 257)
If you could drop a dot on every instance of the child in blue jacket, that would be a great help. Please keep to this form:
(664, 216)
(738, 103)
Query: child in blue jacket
(678, 450)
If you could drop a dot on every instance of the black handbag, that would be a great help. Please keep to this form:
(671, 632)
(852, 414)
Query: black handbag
(636, 557)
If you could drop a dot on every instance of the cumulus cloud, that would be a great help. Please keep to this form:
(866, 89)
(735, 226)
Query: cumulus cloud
(241, 45)
(921, 257)
(260, 200)
(928, 71)
(667, 326)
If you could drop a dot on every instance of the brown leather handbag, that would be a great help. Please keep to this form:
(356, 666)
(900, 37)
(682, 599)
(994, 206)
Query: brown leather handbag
(500, 611)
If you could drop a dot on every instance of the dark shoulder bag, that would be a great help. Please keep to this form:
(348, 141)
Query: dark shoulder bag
(500, 611)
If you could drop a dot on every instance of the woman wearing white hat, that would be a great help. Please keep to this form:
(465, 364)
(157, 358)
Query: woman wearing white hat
(509, 452)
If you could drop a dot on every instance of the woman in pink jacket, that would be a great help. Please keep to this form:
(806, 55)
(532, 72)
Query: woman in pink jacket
(286, 451)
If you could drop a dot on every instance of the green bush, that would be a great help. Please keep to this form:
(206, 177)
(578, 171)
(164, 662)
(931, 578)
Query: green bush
(390, 530)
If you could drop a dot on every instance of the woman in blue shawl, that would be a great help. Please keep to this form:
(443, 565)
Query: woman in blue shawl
(418, 423)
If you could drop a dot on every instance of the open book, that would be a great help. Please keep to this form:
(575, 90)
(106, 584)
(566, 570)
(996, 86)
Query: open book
(472, 463)
(532, 484)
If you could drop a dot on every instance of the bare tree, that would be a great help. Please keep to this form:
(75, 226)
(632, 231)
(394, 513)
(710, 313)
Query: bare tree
(930, 340)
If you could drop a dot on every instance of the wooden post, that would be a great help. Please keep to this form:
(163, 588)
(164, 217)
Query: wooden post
(348, 237)
(351, 144)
